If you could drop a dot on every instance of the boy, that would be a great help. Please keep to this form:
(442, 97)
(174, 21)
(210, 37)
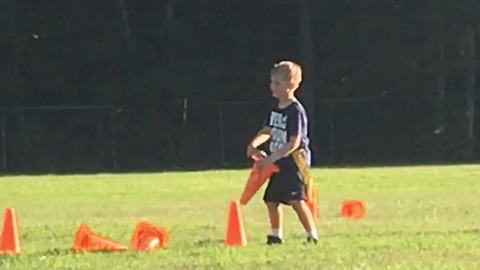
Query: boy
(286, 127)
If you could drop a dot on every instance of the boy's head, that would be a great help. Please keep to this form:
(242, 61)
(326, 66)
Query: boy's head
(286, 77)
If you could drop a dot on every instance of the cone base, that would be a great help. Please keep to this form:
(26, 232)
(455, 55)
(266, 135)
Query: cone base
(149, 237)
(87, 241)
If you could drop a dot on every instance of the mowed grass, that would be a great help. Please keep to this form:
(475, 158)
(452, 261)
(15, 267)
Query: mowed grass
(418, 218)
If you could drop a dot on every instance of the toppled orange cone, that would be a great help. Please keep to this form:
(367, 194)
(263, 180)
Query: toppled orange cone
(235, 234)
(87, 241)
(255, 181)
(148, 237)
(313, 204)
(353, 209)
(10, 238)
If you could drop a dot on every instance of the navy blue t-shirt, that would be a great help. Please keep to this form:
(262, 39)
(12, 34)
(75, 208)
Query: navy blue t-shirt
(287, 122)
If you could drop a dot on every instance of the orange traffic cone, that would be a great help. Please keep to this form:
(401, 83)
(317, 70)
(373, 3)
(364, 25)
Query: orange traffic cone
(235, 233)
(255, 181)
(87, 241)
(148, 237)
(10, 238)
(353, 209)
(313, 204)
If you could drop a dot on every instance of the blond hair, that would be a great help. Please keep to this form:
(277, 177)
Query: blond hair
(289, 71)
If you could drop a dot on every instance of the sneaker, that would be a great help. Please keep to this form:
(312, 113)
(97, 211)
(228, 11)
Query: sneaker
(312, 240)
(274, 240)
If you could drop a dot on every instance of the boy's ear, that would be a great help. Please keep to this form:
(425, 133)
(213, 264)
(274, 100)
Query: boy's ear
(292, 85)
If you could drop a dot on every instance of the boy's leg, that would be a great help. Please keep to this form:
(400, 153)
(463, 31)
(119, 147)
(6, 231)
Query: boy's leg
(271, 197)
(306, 218)
(276, 219)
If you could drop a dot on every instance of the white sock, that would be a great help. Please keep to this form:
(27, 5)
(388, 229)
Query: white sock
(312, 233)
(276, 232)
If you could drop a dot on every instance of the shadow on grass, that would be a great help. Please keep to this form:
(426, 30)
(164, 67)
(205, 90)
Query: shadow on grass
(202, 243)
(69, 251)
(208, 242)
(7, 258)
(402, 233)
(246, 165)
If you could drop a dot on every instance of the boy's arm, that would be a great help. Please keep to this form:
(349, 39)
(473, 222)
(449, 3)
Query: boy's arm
(292, 144)
(262, 136)
(294, 129)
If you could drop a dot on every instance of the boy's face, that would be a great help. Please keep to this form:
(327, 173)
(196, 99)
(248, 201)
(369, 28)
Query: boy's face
(279, 86)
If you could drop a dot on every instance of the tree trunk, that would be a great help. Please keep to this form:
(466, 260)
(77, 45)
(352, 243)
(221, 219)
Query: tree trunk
(126, 25)
(439, 119)
(438, 151)
(438, 40)
(168, 42)
(470, 92)
(166, 73)
(308, 59)
(12, 42)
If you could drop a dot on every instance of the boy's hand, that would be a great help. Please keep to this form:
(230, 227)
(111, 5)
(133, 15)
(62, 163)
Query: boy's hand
(255, 153)
(251, 150)
(258, 155)
(264, 162)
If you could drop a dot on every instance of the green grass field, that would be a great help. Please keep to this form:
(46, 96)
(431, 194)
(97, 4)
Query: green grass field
(417, 218)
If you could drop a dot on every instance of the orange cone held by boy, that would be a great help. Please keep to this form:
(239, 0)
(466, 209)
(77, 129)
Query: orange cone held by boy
(87, 241)
(149, 237)
(10, 237)
(256, 180)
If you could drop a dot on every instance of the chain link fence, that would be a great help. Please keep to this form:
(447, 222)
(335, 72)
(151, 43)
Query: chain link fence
(196, 135)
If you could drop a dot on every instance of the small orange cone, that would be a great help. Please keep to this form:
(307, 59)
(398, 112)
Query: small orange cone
(10, 238)
(313, 204)
(87, 241)
(235, 233)
(353, 209)
(148, 237)
(255, 181)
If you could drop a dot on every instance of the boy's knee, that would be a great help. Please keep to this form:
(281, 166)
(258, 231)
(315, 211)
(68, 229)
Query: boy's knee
(296, 204)
(272, 204)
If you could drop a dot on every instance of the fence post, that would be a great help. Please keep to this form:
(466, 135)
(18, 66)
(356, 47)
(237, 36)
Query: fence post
(222, 138)
(331, 126)
(4, 144)
(113, 114)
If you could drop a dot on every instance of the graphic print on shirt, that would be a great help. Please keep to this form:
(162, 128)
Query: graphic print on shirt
(278, 135)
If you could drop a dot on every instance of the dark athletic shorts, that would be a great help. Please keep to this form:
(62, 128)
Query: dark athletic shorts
(286, 185)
